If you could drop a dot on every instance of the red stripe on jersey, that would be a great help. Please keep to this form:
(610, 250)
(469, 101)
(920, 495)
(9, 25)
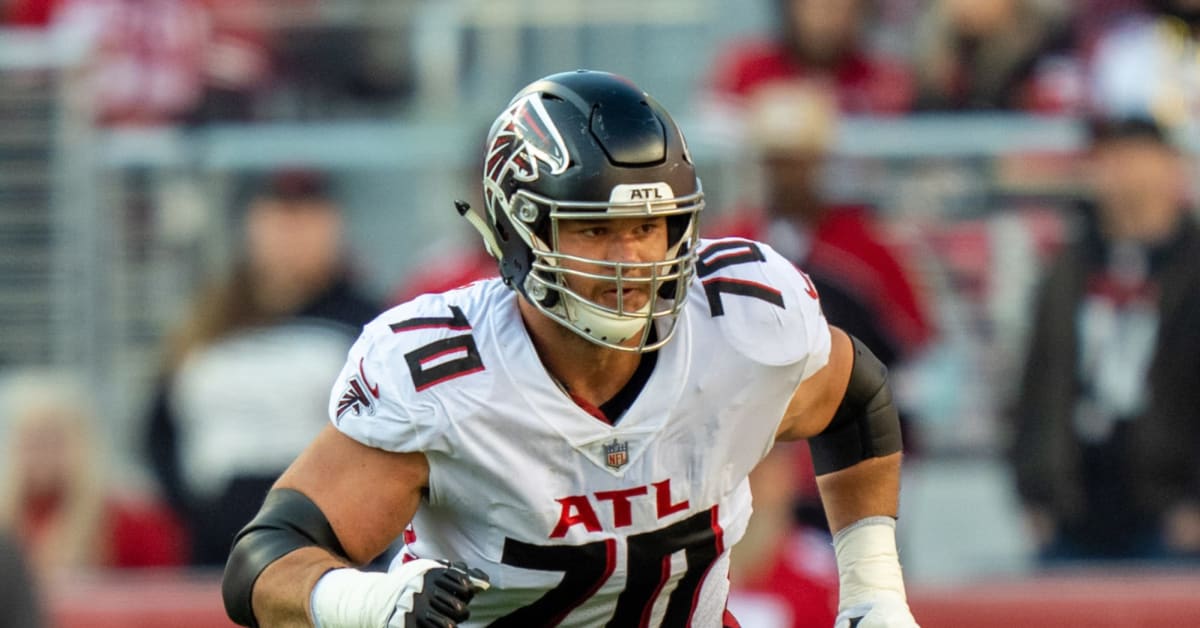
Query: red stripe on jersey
(448, 378)
(744, 282)
(718, 532)
(719, 541)
(456, 321)
(441, 354)
(721, 256)
(610, 565)
(662, 581)
(723, 243)
(446, 325)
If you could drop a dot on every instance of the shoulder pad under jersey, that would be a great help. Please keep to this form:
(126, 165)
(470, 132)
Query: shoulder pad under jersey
(392, 391)
(766, 308)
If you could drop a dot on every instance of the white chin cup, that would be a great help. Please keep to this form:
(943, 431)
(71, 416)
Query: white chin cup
(604, 326)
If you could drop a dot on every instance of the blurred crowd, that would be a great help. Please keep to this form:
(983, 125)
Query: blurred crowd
(198, 61)
(1101, 420)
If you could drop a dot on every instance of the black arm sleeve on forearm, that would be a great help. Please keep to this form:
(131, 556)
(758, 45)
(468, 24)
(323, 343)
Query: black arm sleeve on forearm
(866, 425)
(287, 521)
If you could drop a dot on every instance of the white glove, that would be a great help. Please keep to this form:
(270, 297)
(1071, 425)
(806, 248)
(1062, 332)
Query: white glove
(886, 611)
(871, 587)
(421, 593)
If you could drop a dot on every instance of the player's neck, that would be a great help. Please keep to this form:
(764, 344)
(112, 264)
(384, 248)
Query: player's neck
(586, 369)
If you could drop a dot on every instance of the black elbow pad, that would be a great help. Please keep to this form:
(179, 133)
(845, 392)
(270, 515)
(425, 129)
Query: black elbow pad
(287, 521)
(867, 423)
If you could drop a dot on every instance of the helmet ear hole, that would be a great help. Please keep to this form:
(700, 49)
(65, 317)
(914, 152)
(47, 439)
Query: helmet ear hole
(538, 290)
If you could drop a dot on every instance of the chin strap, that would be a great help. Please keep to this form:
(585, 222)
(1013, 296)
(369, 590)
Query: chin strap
(489, 239)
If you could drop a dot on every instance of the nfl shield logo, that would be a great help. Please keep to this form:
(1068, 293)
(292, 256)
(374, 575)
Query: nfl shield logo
(616, 453)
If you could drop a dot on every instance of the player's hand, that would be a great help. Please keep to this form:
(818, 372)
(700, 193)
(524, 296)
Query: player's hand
(435, 593)
(421, 593)
(887, 611)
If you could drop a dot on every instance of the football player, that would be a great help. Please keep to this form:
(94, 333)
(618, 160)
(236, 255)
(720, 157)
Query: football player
(569, 444)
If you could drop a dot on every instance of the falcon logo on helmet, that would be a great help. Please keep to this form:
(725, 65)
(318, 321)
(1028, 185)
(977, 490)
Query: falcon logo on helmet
(524, 136)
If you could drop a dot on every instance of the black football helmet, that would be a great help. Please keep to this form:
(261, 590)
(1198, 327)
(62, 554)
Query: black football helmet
(588, 145)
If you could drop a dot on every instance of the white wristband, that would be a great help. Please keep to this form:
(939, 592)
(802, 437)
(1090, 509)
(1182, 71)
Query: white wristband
(867, 561)
(349, 598)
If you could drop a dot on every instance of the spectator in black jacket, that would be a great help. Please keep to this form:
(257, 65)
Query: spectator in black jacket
(244, 387)
(1108, 417)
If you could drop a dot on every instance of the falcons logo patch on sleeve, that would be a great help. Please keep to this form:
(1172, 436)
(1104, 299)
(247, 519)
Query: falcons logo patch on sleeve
(359, 396)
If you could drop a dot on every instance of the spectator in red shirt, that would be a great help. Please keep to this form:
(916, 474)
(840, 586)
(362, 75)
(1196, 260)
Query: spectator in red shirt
(27, 13)
(166, 61)
(863, 280)
(56, 497)
(447, 271)
(818, 41)
(450, 265)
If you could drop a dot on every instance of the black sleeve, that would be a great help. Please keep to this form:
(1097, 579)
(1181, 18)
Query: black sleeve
(287, 521)
(866, 424)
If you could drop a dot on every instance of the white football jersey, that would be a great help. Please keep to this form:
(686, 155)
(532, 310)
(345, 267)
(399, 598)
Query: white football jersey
(576, 521)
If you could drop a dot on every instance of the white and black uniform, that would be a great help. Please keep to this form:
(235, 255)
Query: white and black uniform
(579, 522)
